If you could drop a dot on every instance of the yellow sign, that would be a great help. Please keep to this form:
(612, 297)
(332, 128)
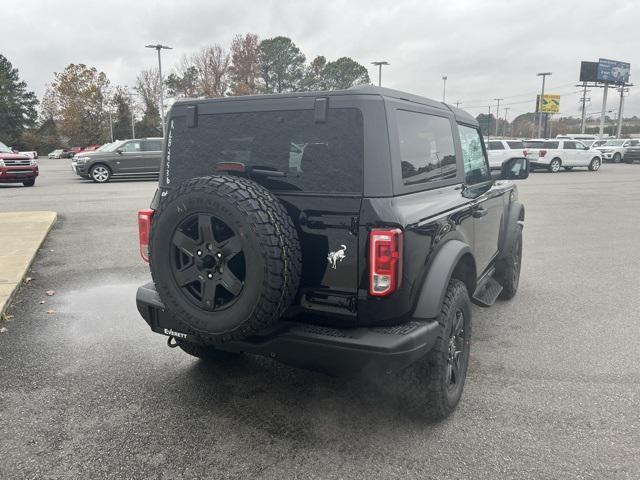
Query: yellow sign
(550, 104)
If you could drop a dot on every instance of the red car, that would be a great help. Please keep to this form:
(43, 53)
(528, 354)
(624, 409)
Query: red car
(17, 168)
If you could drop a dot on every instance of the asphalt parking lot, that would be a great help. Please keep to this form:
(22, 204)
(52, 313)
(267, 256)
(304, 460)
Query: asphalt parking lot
(553, 391)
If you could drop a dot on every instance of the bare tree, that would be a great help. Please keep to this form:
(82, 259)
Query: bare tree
(212, 64)
(244, 71)
(148, 87)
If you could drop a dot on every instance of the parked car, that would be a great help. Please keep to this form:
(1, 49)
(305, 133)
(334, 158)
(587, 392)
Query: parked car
(632, 154)
(61, 153)
(137, 157)
(30, 154)
(253, 249)
(501, 150)
(614, 150)
(555, 154)
(17, 168)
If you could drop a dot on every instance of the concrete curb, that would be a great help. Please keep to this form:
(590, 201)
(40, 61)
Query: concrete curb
(21, 235)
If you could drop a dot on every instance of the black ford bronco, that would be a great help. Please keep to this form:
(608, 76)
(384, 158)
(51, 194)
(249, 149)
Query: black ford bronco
(345, 231)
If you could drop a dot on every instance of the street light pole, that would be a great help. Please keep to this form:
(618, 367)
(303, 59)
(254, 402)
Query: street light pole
(159, 47)
(504, 130)
(540, 103)
(379, 64)
(444, 88)
(133, 118)
(497, 113)
(111, 126)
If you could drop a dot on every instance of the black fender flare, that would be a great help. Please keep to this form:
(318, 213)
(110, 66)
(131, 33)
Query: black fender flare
(515, 215)
(435, 284)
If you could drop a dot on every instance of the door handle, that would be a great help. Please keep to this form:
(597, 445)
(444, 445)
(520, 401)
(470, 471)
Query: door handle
(479, 212)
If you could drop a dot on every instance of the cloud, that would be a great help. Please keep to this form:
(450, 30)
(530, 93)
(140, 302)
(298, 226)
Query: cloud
(487, 49)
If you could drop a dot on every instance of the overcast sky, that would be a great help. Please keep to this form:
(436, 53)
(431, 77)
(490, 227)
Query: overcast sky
(488, 49)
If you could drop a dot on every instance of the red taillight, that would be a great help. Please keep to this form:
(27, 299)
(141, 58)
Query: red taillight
(230, 167)
(542, 153)
(144, 227)
(385, 261)
(524, 153)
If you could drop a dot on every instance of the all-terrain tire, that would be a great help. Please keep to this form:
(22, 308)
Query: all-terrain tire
(266, 237)
(205, 352)
(425, 386)
(508, 266)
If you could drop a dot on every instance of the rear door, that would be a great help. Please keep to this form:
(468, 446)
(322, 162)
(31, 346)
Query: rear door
(129, 158)
(152, 154)
(570, 155)
(487, 199)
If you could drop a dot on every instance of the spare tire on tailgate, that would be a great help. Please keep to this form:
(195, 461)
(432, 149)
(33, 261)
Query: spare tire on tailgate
(224, 256)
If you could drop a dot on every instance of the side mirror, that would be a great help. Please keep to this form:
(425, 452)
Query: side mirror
(516, 168)
(119, 151)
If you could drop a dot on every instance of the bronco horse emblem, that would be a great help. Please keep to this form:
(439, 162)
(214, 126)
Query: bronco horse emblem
(337, 256)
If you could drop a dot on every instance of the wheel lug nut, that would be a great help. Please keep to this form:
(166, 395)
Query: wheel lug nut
(199, 252)
(219, 255)
(209, 275)
(209, 246)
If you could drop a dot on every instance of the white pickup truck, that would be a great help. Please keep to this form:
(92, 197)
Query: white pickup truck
(552, 155)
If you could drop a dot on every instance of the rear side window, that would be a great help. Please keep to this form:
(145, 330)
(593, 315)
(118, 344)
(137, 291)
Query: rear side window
(495, 146)
(533, 144)
(427, 152)
(307, 156)
(551, 145)
(152, 145)
(476, 168)
(515, 145)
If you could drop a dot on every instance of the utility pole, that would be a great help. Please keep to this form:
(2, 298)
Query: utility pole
(541, 102)
(497, 113)
(159, 47)
(133, 119)
(379, 64)
(489, 125)
(622, 91)
(584, 107)
(111, 126)
(506, 123)
(603, 112)
(444, 88)
(458, 104)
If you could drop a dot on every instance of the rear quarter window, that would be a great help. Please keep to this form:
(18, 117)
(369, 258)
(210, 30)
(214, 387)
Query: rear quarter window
(515, 145)
(312, 156)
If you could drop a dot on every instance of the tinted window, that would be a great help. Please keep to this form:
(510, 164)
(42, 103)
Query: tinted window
(131, 147)
(569, 145)
(476, 168)
(309, 156)
(427, 152)
(152, 145)
(516, 145)
(533, 143)
(495, 146)
(550, 145)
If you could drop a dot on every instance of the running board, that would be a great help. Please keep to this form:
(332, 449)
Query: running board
(487, 292)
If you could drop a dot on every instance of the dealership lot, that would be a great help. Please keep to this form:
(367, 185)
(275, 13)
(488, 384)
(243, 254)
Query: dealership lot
(553, 388)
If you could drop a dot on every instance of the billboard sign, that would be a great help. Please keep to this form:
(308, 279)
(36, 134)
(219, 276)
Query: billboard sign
(550, 103)
(588, 71)
(612, 71)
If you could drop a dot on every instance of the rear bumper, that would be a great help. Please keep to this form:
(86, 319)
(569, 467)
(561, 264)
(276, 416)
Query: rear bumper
(17, 174)
(331, 350)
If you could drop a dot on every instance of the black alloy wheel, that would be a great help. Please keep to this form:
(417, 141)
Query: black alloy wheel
(457, 352)
(208, 262)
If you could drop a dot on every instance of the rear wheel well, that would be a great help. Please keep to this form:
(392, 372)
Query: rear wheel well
(465, 271)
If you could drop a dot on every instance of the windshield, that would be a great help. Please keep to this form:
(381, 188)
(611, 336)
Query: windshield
(103, 148)
(4, 148)
(111, 147)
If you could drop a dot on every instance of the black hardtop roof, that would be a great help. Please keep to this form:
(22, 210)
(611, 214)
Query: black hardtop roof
(460, 114)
